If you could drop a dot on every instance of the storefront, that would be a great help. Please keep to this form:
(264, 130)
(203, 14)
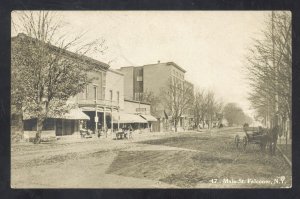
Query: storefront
(68, 124)
(126, 119)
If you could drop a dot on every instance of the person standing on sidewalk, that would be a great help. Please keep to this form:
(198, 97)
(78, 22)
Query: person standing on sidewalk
(130, 132)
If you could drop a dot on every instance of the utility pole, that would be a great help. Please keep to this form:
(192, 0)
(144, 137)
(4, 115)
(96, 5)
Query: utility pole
(112, 122)
(104, 120)
(139, 108)
(275, 119)
(96, 117)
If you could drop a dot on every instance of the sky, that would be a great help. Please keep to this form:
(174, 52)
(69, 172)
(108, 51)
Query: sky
(210, 45)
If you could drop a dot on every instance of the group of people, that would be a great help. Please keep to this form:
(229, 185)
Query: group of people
(127, 130)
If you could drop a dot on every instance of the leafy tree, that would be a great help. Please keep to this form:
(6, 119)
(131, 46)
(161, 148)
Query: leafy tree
(45, 76)
(235, 115)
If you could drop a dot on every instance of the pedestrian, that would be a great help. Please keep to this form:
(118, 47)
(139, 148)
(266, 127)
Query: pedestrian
(99, 130)
(130, 131)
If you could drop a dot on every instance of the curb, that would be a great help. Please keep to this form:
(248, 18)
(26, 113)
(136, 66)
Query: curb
(287, 160)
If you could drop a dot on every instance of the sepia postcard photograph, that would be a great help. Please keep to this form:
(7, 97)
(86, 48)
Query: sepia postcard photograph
(151, 99)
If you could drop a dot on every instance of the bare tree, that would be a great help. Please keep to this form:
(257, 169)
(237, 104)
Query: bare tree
(213, 107)
(269, 66)
(154, 101)
(177, 99)
(45, 74)
(207, 108)
(199, 107)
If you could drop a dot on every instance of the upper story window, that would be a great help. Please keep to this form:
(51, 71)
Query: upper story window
(118, 97)
(111, 95)
(95, 92)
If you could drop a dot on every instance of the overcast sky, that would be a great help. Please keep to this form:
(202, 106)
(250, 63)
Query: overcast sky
(209, 45)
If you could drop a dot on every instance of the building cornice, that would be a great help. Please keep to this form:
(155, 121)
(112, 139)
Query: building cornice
(22, 36)
(138, 102)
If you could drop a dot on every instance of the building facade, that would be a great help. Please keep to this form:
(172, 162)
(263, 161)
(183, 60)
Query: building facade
(102, 98)
(94, 106)
(99, 107)
(150, 78)
(153, 78)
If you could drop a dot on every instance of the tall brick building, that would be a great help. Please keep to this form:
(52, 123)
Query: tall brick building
(153, 78)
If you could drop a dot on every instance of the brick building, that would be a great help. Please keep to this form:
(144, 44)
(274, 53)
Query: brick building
(153, 78)
(100, 105)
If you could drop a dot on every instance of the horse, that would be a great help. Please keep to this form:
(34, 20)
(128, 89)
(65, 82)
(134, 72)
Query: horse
(272, 139)
(269, 139)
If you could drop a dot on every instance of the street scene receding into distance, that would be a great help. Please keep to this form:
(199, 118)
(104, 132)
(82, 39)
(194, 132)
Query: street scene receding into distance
(151, 99)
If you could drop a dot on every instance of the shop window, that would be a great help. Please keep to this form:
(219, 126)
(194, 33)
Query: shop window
(48, 124)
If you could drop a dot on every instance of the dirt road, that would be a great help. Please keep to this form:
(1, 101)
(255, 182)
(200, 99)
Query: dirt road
(159, 160)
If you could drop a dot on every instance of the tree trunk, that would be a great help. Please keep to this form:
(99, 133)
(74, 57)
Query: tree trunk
(290, 128)
(39, 130)
(21, 126)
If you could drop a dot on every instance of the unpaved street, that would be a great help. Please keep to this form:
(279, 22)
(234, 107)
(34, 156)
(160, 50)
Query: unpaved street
(157, 160)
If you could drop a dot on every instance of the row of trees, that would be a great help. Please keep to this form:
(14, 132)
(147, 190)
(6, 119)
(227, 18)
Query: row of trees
(235, 115)
(176, 101)
(206, 108)
(269, 66)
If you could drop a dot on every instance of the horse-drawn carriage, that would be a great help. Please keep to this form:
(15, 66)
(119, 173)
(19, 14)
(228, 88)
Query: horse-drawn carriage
(253, 135)
(260, 136)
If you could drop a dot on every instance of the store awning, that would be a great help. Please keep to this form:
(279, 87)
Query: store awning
(73, 114)
(127, 118)
(149, 118)
(76, 114)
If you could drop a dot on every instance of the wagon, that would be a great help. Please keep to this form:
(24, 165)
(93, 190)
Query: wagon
(253, 135)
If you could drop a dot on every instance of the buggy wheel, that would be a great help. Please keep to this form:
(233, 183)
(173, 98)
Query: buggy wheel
(245, 142)
(237, 141)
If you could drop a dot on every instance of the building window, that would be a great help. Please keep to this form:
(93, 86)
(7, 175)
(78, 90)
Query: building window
(138, 96)
(99, 87)
(103, 84)
(111, 95)
(95, 93)
(140, 110)
(118, 97)
(139, 78)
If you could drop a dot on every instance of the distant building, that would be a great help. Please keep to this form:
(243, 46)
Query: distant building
(149, 78)
(153, 78)
(141, 109)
